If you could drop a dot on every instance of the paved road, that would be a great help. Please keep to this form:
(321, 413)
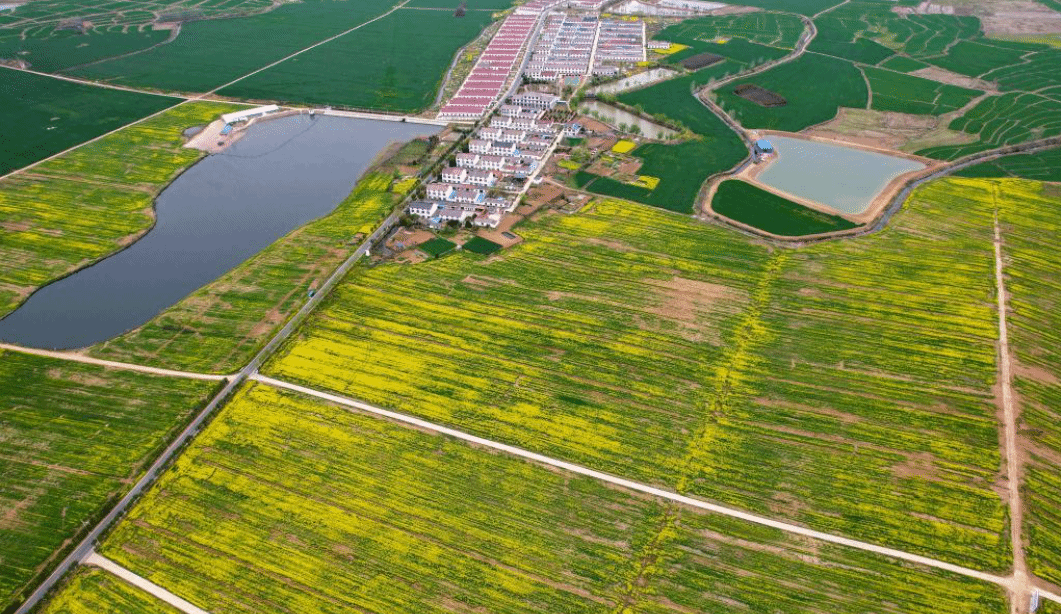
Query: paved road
(75, 357)
(143, 584)
(636, 486)
(85, 546)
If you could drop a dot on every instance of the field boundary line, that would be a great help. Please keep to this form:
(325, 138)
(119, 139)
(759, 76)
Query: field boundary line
(127, 366)
(109, 86)
(1009, 426)
(635, 486)
(313, 46)
(142, 583)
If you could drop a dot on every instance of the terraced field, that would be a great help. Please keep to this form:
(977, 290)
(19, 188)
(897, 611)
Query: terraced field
(73, 435)
(90, 590)
(663, 350)
(903, 93)
(1029, 216)
(379, 68)
(1040, 166)
(1002, 120)
(43, 116)
(287, 504)
(220, 326)
(75, 209)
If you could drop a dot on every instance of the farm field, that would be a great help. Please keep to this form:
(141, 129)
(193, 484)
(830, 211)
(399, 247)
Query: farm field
(1041, 166)
(74, 435)
(221, 326)
(288, 504)
(209, 54)
(908, 94)
(43, 116)
(814, 85)
(75, 209)
(1008, 119)
(479, 245)
(40, 17)
(918, 36)
(822, 368)
(764, 210)
(1028, 212)
(681, 168)
(51, 51)
(379, 68)
(475, 5)
(90, 590)
(772, 29)
(676, 100)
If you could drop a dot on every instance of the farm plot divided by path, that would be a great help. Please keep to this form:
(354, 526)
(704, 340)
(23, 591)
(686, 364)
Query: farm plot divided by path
(288, 504)
(42, 116)
(1028, 212)
(651, 347)
(79, 207)
(209, 54)
(220, 326)
(90, 590)
(73, 434)
(394, 64)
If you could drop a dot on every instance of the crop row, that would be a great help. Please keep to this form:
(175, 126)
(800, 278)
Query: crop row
(86, 204)
(847, 386)
(73, 435)
(220, 326)
(901, 93)
(285, 504)
(90, 590)
(1029, 216)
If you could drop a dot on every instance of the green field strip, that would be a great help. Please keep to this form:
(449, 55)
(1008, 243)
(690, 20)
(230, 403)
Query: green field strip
(74, 435)
(339, 511)
(43, 116)
(754, 206)
(1007, 119)
(77, 208)
(1039, 166)
(764, 28)
(903, 93)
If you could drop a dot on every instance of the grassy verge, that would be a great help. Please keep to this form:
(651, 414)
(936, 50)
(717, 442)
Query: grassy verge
(769, 212)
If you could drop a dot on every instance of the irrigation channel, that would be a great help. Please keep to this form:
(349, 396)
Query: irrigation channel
(229, 206)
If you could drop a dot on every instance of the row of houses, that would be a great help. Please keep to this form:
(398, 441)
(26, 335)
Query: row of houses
(468, 190)
(578, 45)
(619, 42)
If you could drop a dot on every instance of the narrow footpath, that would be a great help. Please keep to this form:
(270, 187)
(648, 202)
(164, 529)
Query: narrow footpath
(76, 357)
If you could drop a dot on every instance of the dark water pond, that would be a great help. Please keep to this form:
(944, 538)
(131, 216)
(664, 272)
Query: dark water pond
(282, 174)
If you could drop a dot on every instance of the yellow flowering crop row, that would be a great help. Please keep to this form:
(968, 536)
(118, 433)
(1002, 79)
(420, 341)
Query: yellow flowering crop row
(90, 590)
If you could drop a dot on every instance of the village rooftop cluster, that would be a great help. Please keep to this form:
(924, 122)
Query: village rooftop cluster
(486, 181)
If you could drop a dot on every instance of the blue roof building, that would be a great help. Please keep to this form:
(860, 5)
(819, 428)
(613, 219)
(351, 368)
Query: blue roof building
(763, 146)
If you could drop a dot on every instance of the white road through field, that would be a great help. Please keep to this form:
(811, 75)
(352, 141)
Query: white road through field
(636, 486)
(143, 584)
(75, 357)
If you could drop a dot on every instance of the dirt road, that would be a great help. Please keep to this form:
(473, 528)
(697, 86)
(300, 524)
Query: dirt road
(75, 357)
(1012, 453)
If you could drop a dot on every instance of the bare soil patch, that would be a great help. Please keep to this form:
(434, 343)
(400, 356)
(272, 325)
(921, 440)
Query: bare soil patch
(945, 76)
(760, 96)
